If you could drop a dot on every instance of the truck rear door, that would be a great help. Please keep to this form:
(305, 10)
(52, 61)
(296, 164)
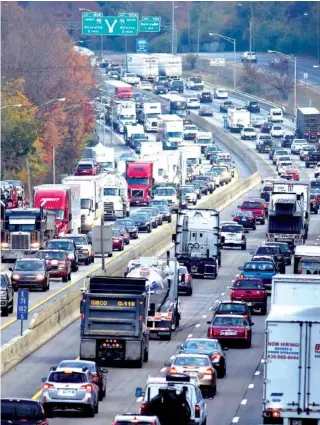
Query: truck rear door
(283, 357)
(312, 393)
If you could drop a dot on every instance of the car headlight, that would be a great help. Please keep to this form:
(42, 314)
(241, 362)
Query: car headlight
(5, 245)
(35, 245)
(16, 276)
(40, 276)
(70, 256)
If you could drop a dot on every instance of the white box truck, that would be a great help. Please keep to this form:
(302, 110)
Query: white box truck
(298, 290)
(150, 116)
(170, 131)
(237, 119)
(115, 197)
(169, 65)
(91, 198)
(145, 66)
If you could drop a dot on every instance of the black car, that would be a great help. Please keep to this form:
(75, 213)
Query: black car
(285, 250)
(253, 106)
(177, 85)
(7, 295)
(314, 206)
(246, 219)
(211, 347)
(232, 307)
(69, 246)
(130, 225)
(97, 372)
(16, 411)
(273, 251)
(163, 208)
(159, 89)
(185, 285)
(205, 111)
(205, 97)
(142, 220)
(266, 127)
(202, 185)
(155, 213)
(287, 140)
(30, 273)
(264, 144)
(226, 105)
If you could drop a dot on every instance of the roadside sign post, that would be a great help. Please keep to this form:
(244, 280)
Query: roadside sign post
(150, 24)
(22, 306)
(217, 62)
(141, 45)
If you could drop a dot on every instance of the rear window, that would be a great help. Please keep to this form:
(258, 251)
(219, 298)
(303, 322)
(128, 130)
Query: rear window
(85, 166)
(259, 266)
(229, 321)
(231, 229)
(68, 378)
(201, 345)
(253, 205)
(51, 255)
(191, 361)
(234, 308)
(267, 250)
(21, 410)
(248, 284)
(72, 365)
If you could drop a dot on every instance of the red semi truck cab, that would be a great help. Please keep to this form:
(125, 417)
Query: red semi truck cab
(57, 200)
(139, 176)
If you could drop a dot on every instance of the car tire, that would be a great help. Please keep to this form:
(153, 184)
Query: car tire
(69, 276)
(289, 262)
(87, 261)
(5, 312)
(244, 247)
(254, 227)
(92, 259)
(90, 411)
(149, 229)
(248, 344)
(48, 411)
(170, 220)
(122, 247)
(263, 311)
(190, 292)
(65, 278)
(222, 373)
(103, 393)
(11, 308)
(262, 222)
(146, 356)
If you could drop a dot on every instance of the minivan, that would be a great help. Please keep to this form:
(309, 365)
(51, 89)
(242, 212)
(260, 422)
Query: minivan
(275, 115)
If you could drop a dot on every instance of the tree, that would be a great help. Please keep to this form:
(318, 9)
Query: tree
(191, 60)
(281, 82)
(251, 80)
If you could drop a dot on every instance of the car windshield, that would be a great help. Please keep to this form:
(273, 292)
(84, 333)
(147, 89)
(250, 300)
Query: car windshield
(187, 189)
(157, 202)
(111, 191)
(85, 204)
(248, 284)
(252, 205)
(196, 80)
(51, 255)
(192, 361)
(120, 227)
(21, 227)
(73, 365)
(163, 208)
(165, 192)
(59, 214)
(190, 127)
(231, 229)
(29, 266)
(232, 307)
(61, 244)
(244, 214)
(229, 321)
(21, 410)
(139, 217)
(138, 181)
(259, 266)
(116, 233)
(68, 377)
(80, 240)
(201, 345)
(124, 222)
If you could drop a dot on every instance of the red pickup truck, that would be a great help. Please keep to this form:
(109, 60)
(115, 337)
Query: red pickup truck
(257, 208)
(252, 292)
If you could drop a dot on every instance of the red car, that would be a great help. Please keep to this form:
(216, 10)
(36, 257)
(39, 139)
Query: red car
(252, 292)
(291, 174)
(117, 240)
(230, 328)
(124, 232)
(87, 167)
(256, 207)
(58, 263)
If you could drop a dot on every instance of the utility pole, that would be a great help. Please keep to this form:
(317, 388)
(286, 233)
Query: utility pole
(53, 163)
(172, 27)
(188, 18)
(252, 27)
(29, 182)
(101, 48)
(198, 37)
(318, 32)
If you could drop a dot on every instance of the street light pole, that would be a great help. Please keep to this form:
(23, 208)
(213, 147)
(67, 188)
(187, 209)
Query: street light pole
(172, 29)
(232, 41)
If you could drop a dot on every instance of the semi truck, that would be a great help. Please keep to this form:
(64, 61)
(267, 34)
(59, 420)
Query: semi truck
(25, 231)
(103, 155)
(289, 212)
(197, 244)
(308, 124)
(114, 314)
(149, 116)
(145, 66)
(238, 119)
(119, 89)
(139, 176)
(133, 133)
(162, 280)
(64, 201)
(120, 114)
(115, 197)
(170, 131)
(292, 352)
(169, 65)
(91, 198)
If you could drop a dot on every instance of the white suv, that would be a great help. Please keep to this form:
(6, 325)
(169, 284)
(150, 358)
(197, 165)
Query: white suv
(233, 235)
(249, 57)
(248, 133)
(297, 145)
(197, 406)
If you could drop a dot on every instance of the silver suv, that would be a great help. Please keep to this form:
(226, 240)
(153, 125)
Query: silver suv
(74, 388)
(233, 235)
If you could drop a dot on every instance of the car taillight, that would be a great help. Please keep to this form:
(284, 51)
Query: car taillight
(215, 356)
(210, 332)
(87, 387)
(47, 386)
(245, 316)
(197, 411)
(251, 218)
(236, 218)
(172, 370)
(208, 372)
(246, 333)
(308, 157)
(143, 406)
(95, 379)
(243, 235)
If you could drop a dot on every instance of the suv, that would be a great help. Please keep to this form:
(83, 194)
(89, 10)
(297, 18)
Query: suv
(253, 106)
(297, 145)
(179, 385)
(248, 133)
(249, 57)
(7, 295)
(226, 105)
(87, 167)
(287, 140)
(205, 97)
(194, 83)
(30, 273)
(69, 246)
(256, 207)
(177, 85)
(58, 263)
(252, 292)
(273, 251)
(264, 143)
(84, 249)
(18, 411)
(71, 388)
(232, 234)
(136, 419)
(285, 250)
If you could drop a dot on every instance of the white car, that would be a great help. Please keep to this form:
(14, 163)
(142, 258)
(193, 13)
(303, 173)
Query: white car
(194, 83)
(283, 165)
(193, 103)
(249, 57)
(282, 158)
(277, 153)
(190, 132)
(277, 131)
(187, 192)
(145, 85)
(317, 170)
(248, 133)
(131, 78)
(220, 93)
(297, 145)
(233, 235)
(257, 120)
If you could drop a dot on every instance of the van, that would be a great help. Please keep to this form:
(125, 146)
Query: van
(275, 115)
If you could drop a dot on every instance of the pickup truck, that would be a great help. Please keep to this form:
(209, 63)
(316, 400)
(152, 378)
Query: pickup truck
(252, 291)
(256, 207)
(194, 83)
(225, 174)
(249, 57)
(264, 270)
(264, 143)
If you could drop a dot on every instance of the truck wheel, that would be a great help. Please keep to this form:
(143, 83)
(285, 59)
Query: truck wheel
(307, 165)
(166, 337)
(262, 222)
(87, 261)
(263, 311)
(146, 356)
(92, 259)
(244, 247)
(96, 408)
(90, 411)
(65, 278)
(5, 311)
(149, 229)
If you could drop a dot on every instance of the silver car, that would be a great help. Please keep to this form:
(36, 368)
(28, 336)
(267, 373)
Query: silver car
(74, 388)
(196, 366)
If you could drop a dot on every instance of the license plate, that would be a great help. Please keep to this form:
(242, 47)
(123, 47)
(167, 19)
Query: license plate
(228, 333)
(54, 262)
(67, 392)
(193, 374)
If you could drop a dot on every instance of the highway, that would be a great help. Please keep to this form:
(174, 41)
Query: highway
(239, 394)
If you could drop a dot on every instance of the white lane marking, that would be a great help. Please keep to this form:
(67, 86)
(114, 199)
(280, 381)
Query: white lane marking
(198, 325)
(190, 335)
(139, 399)
(222, 294)
(235, 420)
(257, 372)
(244, 402)
(250, 385)
(163, 369)
(204, 316)
(262, 360)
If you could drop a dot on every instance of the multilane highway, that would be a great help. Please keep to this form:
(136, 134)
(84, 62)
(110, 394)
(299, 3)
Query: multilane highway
(239, 394)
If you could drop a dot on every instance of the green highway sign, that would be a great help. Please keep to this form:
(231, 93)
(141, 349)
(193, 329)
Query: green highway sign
(130, 15)
(110, 25)
(91, 14)
(150, 24)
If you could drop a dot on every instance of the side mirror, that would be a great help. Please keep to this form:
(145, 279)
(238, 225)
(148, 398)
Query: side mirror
(174, 237)
(10, 269)
(44, 380)
(104, 370)
(168, 364)
(209, 322)
(225, 348)
(252, 324)
(240, 268)
(138, 392)
(180, 346)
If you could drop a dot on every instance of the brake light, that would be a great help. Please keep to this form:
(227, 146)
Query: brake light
(95, 379)
(47, 386)
(208, 372)
(276, 414)
(210, 332)
(245, 316)
(236, 218)
(243, 235)
(87, 387)
(246, 333)
(299, 271)
(144, 405)
(215, 356)
(197, 411)
(172, 370)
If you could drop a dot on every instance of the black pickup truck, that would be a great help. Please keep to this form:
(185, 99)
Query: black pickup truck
(312, 158)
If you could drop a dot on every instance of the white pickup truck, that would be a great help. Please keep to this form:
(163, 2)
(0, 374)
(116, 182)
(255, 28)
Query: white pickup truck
(194, 83)
(249, 57)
